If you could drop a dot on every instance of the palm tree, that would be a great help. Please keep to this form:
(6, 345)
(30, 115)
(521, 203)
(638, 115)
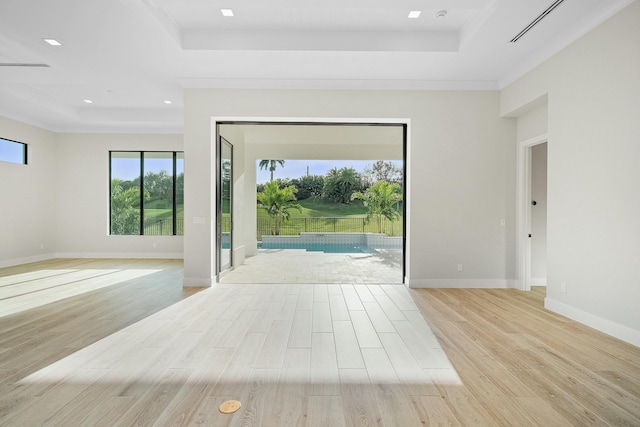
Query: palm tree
(339, 184)
(278, 203)
(380, 199)
(270, 165)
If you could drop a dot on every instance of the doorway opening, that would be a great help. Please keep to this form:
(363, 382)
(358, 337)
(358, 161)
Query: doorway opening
(308, 142)
(532, 213)
(539, 214)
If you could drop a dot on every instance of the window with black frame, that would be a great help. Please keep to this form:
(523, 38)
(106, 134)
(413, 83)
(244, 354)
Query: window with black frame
(13, 151)
(146, 193)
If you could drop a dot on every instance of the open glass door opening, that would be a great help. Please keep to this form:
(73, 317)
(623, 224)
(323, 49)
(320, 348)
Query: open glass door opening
(325, 152)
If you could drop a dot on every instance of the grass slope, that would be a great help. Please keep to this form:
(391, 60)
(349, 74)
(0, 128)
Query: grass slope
(318, 207)
(344, 218)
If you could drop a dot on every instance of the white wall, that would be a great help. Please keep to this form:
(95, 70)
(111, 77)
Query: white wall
(83, 197)
(533, 121)
(593, 212)
(58, 204)
(28, 197)
(461, 174)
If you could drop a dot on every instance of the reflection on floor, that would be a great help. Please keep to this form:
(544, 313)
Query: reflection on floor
(300, 266)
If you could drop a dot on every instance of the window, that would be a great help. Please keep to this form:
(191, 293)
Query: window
(147, 193)
(13, 151)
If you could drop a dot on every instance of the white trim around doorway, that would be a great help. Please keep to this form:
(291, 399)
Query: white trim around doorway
(523, 211)
(216, 120)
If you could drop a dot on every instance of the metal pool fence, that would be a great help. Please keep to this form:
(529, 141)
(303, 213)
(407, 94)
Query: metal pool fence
(296, 226)
(163, 227)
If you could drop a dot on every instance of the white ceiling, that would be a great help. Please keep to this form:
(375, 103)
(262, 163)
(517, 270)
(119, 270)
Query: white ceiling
(129, 56)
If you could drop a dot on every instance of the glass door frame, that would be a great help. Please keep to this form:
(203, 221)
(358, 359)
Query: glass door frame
(220, 267)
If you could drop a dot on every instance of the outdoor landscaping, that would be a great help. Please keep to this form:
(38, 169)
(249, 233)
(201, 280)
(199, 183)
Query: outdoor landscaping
(321, 216)
(342, 201)
(156, 206)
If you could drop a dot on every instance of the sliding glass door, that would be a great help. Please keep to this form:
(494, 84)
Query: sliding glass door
(225, 206)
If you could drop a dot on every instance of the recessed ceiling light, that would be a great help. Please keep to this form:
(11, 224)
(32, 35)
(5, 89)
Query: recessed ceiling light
(167, 102)
(88, 101)
(53, 42)
(226, 12)
(415, 13)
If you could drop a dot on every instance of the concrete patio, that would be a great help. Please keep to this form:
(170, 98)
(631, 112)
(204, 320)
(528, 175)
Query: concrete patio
(300, 266)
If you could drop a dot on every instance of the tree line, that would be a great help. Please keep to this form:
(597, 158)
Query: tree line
(338, 184)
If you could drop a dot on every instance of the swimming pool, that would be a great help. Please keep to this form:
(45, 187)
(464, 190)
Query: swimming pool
(329, 248)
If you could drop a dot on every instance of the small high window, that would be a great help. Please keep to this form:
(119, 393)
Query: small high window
(13, 151)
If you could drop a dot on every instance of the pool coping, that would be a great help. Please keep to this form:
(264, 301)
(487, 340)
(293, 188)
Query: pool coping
(372, 240)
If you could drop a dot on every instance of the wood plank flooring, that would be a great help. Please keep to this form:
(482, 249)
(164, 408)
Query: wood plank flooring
(136, 349)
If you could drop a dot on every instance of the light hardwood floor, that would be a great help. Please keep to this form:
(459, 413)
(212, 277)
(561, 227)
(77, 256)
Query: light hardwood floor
(128, 346)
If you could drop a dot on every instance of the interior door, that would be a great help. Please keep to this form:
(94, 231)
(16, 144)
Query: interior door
(225, 206)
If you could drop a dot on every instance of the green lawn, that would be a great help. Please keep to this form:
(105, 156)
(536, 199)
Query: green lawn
(313, 207)
(156, 212)
(318, 207)
(320, 216)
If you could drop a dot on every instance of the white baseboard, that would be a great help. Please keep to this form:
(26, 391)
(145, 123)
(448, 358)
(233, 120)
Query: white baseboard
(624, 333)
(145, 255)
(25, 260)
(538, 281)
(462, 283)
(198, 282)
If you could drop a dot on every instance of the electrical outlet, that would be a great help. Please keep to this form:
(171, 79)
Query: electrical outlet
(459, 267)
(563, 287)
(503, 222)
(41, 245)
(155, 245)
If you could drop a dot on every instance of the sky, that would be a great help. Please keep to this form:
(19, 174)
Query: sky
(129, 168)
(298, 168)
(11, 151)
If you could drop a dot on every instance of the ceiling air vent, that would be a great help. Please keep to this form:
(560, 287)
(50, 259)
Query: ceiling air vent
(536, 21)
(21, 64)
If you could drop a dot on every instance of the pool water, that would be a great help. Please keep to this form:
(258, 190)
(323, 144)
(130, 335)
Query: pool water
(321, 247)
